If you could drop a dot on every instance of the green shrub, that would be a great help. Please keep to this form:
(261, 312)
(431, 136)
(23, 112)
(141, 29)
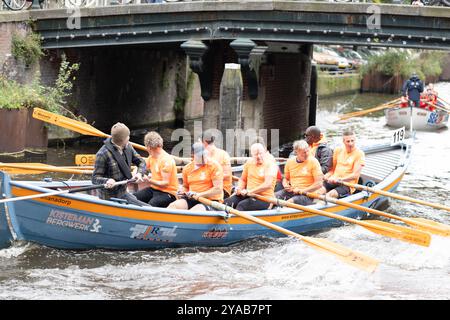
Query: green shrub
(27, 49)
(14, 95)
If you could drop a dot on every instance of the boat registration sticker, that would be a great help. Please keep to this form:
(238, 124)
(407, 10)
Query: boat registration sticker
(397, 136)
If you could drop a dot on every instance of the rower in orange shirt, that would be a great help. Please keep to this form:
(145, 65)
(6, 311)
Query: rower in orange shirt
(163, 182)
(259, 176)
(223, 158)
(348, 162)
(203, 177)
(301, 174)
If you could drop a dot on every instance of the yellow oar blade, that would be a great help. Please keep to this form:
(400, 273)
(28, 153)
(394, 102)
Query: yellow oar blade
(67, 123)
(344, 254)
(399, 232)
(430, 226)
(37, 168)
(380, 227)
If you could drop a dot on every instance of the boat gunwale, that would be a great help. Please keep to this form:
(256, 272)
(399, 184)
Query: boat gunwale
(384, 184)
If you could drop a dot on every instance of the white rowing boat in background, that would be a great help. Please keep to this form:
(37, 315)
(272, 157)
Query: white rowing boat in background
(422, 119)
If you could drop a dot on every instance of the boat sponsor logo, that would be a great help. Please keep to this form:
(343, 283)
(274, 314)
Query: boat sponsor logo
(152, 233)
(402, 112)
(74, 221)
(291, 216)
(422, 114)
(59, 200)
(435, 118)
(215, 233)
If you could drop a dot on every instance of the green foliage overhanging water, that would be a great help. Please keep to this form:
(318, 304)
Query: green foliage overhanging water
(404, 62)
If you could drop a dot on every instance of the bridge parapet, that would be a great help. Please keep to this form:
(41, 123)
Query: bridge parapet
(288, 21)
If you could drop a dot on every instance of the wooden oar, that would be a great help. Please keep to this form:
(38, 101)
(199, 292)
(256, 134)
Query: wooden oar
(363, 112)
(437, 107)
(59, 192)
(379, 227)
(81, 127)
(396, 196)
(89, 159)
(344, 254)
(419, 223)
(444, 102)
(372, 109)
(38, 168)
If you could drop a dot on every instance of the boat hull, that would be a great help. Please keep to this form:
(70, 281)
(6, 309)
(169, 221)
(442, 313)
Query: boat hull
(79, 221)
(423, 120)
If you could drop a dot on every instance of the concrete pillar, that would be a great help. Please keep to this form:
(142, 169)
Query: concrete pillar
(230, 101)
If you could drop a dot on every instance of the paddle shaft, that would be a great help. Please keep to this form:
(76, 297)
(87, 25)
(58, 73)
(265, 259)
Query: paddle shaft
(81, 127)
(363, 112)
(344, 254)
(379, 227)
(36, 168)
(59, 192)
(396, 196)
(424, 224)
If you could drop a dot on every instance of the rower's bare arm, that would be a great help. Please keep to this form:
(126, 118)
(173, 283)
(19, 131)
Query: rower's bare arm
(267, 184)
(316, 185)
(356, 172)
(215, 190)
(164, 182)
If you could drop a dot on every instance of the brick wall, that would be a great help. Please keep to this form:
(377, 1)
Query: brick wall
(283, 91)
(9, 66)
(135, 85)
(285, 104)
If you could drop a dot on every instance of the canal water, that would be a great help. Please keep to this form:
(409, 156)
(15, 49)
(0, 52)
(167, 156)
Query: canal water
(261, 268)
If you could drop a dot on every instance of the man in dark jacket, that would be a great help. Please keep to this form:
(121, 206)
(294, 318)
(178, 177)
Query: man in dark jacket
(318, 148)
(412, 89)
(113, 163)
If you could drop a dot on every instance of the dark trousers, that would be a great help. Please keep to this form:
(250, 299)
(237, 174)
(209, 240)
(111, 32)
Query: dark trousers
(342, 191)
(155, 198)
(246, 203)
(297, 198)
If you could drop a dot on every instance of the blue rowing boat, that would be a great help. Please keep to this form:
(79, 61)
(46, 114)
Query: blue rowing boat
(83, 221)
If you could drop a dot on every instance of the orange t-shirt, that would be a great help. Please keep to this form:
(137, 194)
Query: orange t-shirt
(344, 163)
(222, 157)
(302, 175)
(164, 163)
(201, 179)
(254, 175)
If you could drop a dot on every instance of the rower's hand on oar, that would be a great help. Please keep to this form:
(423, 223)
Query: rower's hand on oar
(242, 192)
(192, 195)
(333, 180)
(137, 178)
(110, 183)
(298, 191)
